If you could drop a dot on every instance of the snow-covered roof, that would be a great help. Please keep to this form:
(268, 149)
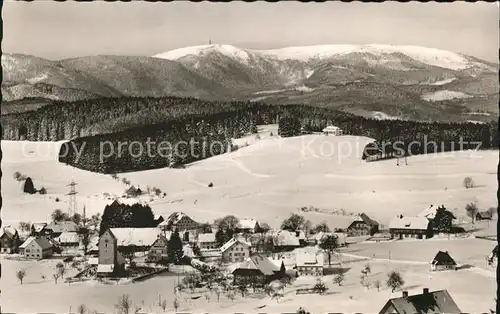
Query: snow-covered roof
(62, 226)
(206, 237)
(68, 237)
(93, 261)
(261, 263)
(418, 223)
(247, 223)
(232, 242)
(309, 259)
(341, 237)
(429, 212)
(38, 226)
(135, 236)
(9, 231)
(286, 238)
(331, 128)
(42, 242)
(105, 268)
(173, 219)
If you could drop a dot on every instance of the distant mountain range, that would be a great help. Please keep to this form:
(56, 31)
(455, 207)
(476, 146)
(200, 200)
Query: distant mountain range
(379, 81)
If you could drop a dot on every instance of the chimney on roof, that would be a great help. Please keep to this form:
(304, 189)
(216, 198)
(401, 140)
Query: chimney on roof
(426, 290)
(405, 294)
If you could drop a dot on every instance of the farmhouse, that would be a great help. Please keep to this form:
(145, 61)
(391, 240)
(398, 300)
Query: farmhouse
(36, 248)
(362, 225)
(443, 261)
(425, 303)
(235, 251)
(309, 264)
(68, 239)
(332, 130)
(9, 240)
(206, 241)
(486, 215)
(133, 192)
(180, 222)
(258, 269)
(285, 240)
(38, 229)
(55, 229)
(410, 227)
(158, 251)
(248, 226)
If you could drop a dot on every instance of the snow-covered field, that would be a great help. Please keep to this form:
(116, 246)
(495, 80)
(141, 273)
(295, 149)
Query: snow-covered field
(267, 180)
(444, 95)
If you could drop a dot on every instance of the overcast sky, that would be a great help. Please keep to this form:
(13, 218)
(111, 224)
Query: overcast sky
(57, 30)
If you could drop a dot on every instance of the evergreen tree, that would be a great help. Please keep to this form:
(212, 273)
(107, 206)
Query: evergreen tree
(28, 186)
(174, 248)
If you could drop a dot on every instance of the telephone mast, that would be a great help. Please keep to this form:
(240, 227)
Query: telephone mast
(72, 198)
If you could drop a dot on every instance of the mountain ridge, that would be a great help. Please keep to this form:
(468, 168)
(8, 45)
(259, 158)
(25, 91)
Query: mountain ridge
(392, 80)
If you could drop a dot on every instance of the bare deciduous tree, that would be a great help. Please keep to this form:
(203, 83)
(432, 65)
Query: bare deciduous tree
(124, 304)
(468, 183)
(20, 274)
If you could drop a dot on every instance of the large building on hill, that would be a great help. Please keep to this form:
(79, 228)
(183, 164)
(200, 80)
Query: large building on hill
(332, 130)
(248, 226)
(309, 264)
(410, 227)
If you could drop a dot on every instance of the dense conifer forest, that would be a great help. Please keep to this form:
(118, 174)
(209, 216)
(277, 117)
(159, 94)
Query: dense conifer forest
(96, 127)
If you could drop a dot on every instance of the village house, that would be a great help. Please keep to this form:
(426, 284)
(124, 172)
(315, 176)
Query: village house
(9, 240)
(180, 222)
(309, 264)
(38, 229)
(36, 248)
(56, 228)
(248, 226)
(285, 240)
(485, 215)
(235, 250)
(68, 239)
(443, 261)
(425, 303)
(410, 227)
(332, 130)
(158, 251)
(206, 241)
(362, 226)
(132, 192)
(259, 270)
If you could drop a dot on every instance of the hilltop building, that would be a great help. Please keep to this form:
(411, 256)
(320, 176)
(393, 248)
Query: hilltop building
(332, 130)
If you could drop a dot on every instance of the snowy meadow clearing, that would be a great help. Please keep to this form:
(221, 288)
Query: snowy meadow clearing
(268, 178)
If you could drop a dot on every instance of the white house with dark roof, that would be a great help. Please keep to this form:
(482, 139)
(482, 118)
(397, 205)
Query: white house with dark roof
(235, 250)
(36, 248)
(248, 226)
(309, 263)
(332, 130)
(410, 227)
(207, 241)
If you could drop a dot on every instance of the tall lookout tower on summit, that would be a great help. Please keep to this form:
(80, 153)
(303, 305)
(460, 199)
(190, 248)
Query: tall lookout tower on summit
(72, 198)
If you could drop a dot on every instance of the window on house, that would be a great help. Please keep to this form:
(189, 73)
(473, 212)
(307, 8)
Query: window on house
(28, 250)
